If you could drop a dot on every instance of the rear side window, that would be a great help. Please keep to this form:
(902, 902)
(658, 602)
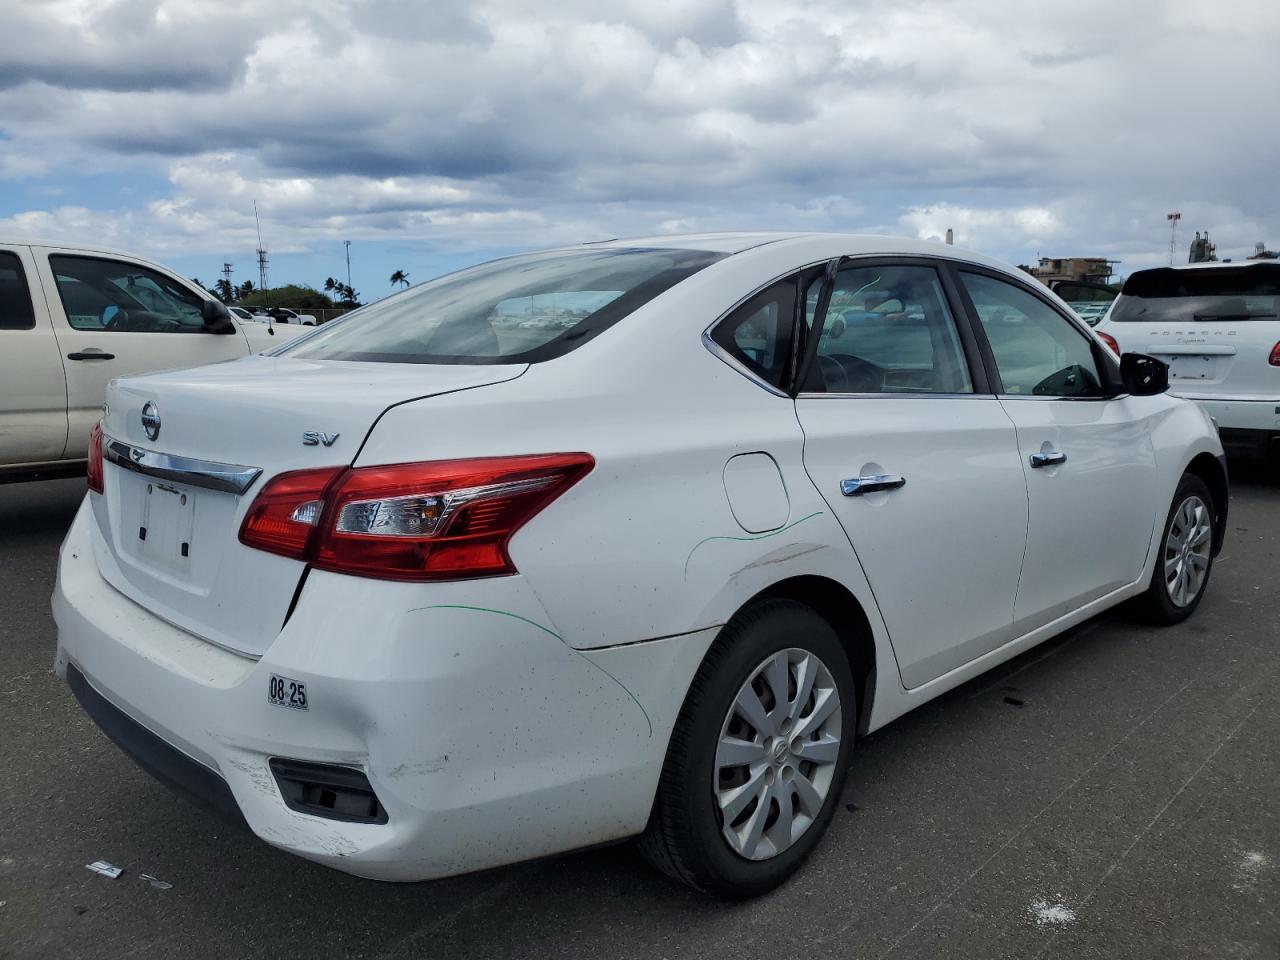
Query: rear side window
(758, 333)
(519, 310)
(15, 296)
(1202, 295)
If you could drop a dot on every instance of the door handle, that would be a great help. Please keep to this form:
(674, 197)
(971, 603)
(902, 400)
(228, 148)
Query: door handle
(857, 486)
(1048, 458)
(90, 355)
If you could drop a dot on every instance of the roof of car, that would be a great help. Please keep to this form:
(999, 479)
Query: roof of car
(1210, 264)
(67, 245)
(850, 244)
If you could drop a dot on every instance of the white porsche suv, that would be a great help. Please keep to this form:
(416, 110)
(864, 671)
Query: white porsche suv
(1217, 326)
(432, 588)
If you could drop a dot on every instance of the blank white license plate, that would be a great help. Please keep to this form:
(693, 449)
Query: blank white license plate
(1192, 368)
(166, 520)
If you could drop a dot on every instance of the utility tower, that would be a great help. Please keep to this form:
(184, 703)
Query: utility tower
(1173, 219)
(262, 255)
(348, 245)
(226, 276)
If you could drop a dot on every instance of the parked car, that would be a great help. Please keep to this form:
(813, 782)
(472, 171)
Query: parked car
(1088, 299)
(285, 315)
(422, 593)
(73, 318)
(240, 313)
(1217, 325)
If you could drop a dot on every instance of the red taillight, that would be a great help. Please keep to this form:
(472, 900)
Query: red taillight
(444, 520)
(286, 512)
(95, 458)
(1274, 359)
(1110, 341)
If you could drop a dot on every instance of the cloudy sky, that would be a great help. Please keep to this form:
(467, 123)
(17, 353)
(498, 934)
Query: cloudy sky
(432, 134)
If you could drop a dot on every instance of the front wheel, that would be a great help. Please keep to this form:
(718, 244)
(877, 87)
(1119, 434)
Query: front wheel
(758, 757)
(1185, 559)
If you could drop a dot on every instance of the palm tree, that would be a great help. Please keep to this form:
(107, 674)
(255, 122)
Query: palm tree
(400, 277)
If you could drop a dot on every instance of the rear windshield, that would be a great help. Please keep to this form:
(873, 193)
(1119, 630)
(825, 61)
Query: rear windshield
(521, 309)
(1200, 295)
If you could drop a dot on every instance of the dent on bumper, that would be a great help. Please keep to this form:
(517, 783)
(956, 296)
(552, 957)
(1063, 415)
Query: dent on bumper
(487, 739)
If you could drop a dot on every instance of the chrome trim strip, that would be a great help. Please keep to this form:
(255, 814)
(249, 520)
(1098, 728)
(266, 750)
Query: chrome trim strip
(737, 366)
(892, 395)
(227, 477)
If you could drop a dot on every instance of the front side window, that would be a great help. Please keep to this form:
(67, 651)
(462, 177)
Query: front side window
(15, 296)
(519, 310)
(117, 297)
(888, 330)
(1202, 295)
(1038, 352)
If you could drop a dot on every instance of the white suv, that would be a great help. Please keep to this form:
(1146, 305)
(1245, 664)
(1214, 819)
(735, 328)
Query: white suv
(431, 589)
(1217, 325)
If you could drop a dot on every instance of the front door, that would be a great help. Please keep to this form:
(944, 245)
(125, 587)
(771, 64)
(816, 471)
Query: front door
(114, 318)
(1087, 455)
(921, 469)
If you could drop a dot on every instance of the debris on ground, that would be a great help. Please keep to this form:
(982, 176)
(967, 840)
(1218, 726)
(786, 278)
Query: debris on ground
(109, 870)
(155, 882)
(1051, 914)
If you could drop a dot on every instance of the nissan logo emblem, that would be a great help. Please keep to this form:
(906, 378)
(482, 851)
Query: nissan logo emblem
(151, 420)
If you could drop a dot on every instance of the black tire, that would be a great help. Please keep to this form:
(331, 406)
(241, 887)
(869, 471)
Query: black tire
(684, 837)
(1156, 605)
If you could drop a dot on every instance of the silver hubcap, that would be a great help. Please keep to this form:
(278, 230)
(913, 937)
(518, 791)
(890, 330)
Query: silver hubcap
(1186, 551)
(777, 754)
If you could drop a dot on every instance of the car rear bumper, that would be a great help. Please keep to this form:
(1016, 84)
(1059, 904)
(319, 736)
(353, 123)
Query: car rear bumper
(1232, 414)
(1257, 444)
(485, 738)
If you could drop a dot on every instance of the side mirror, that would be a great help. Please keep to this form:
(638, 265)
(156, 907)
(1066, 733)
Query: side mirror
(217, 318)
(1143, 376)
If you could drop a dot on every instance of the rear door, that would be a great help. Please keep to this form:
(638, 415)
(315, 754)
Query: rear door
(114, 317)
(33, 394)
(918, 462)
(1087, 453)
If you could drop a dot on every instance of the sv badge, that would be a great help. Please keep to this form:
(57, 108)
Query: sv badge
(314, 438)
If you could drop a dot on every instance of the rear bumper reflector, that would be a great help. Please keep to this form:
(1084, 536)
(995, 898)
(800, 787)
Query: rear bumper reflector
(166, 763)
(327, 790)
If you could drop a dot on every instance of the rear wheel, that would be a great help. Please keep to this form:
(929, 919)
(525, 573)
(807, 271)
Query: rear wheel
(758, 757)
(1185, 559)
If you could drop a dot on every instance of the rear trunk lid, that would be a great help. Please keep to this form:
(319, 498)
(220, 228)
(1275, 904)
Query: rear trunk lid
(169, 523)
(1215, 326)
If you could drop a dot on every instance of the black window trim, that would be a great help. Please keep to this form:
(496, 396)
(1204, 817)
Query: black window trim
(26, 285)
(969, 343)
(1108, 364)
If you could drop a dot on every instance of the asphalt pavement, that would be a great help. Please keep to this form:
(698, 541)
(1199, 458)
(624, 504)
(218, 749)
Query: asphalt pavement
(1113, 793)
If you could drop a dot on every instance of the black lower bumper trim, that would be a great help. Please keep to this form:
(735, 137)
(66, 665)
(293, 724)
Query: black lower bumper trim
(1250, 443)
(327, 790)
(166, 763)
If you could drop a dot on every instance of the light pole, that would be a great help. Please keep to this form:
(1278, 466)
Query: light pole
(348, 245)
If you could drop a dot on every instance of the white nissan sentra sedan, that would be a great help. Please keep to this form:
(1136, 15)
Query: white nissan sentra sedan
(434, 588)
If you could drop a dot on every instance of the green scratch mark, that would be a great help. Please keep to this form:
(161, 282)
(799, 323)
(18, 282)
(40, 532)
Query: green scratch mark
(758, 536)
(549, 632)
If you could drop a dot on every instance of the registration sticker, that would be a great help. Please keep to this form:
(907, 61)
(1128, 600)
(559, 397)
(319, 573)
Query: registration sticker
(283, 692)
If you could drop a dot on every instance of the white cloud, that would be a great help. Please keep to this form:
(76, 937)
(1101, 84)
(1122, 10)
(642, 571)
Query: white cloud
(494, 122)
